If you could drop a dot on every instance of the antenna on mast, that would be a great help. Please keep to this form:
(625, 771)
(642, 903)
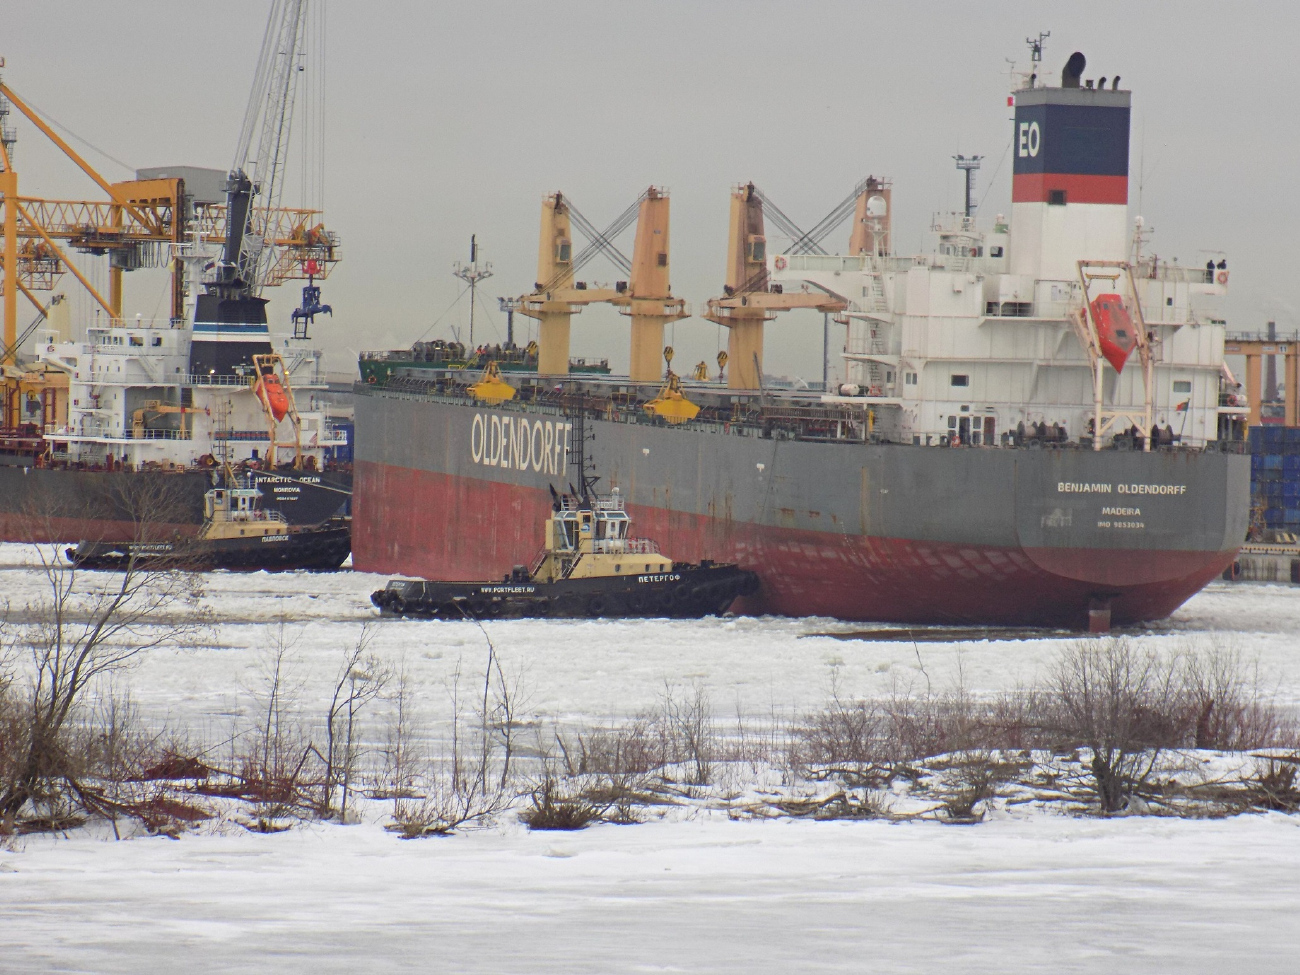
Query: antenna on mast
(472, 274)
(969, 164)
(1036, 46)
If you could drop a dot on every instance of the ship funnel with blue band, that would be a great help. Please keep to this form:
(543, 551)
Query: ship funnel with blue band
(1069, 188)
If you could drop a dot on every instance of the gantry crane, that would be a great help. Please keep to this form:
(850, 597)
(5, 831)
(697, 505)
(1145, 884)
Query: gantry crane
(141, 224)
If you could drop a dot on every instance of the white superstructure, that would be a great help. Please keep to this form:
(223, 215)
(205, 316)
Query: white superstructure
(987, 331)
(132, 398)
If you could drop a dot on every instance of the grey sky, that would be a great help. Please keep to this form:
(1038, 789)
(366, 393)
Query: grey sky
(446, 119)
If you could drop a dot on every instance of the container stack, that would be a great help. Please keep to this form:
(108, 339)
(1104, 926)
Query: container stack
(1275, 476)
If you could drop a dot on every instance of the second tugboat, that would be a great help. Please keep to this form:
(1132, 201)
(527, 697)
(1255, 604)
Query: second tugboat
(589, 566)
(237, 533)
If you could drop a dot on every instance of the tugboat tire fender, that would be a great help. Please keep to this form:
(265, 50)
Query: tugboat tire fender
(476, 608)
(597, 606)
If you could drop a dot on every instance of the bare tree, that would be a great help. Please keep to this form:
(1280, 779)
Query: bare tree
(475, 780)
(87, 627)
(361, 678)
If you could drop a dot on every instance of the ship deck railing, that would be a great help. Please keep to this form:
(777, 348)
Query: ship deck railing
(761, 422)
(625, 546)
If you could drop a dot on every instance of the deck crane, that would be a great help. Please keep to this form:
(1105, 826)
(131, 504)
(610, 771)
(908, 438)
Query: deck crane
(645, 298)
(748, 301)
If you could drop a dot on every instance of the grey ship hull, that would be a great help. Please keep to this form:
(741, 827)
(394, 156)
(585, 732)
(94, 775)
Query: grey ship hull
(446, 489)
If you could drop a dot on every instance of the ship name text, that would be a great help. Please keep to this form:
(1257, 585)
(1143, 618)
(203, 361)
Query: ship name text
(660, 577)
(515, 442)
(1078, 487)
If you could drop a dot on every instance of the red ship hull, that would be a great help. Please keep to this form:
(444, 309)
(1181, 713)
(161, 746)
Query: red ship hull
(439, 526)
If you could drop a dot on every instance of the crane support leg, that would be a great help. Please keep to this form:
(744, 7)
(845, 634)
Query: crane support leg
(744, 348)
(647, 344)
(553, 343)
(9, 191)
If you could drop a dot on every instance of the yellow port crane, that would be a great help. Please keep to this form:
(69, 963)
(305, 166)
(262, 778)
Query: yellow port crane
(140, 224)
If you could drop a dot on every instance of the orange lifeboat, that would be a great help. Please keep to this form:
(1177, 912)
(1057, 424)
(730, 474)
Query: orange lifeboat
(271, 392)
(1115, 330)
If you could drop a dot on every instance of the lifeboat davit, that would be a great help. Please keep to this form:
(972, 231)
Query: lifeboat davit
(271, 392)
(1115, 330)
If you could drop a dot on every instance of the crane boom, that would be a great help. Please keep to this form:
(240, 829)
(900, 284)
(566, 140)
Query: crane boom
(257, 171)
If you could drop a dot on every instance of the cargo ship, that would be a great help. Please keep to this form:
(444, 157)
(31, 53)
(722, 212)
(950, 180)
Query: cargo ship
(116, 420)
(1033, 429)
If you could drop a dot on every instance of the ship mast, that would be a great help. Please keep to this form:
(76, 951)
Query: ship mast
(472, 273)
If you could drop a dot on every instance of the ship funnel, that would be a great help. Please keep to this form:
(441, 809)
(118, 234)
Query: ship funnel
(1073, 70)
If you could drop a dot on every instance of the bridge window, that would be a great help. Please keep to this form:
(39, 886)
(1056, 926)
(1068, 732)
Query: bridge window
(910, 379)
(960, 380)
(995, 251)
(1182, 385)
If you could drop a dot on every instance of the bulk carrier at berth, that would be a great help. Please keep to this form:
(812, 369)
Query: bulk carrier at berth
(984, 463)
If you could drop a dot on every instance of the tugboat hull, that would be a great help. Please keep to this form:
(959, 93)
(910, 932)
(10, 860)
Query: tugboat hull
(320, 549)
(687, 592)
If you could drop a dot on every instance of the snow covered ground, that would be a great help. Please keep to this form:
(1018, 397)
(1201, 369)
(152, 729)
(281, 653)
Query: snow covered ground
(698, 893)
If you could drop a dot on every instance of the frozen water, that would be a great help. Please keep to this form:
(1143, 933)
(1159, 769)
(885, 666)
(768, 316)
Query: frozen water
(696, 894)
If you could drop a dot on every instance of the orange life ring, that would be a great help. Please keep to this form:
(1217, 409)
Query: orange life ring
(780, 263)
(873, 391)
(1222, 277)
(370, 378)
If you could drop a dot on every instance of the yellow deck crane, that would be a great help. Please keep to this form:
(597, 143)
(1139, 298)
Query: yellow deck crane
(748, 302)
(645, 297)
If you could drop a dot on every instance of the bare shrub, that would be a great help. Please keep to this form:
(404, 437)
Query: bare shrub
(272, 758)
(686, 730)
(1275, 786)
(1121, 703)
(1226, 706)
(854, 735)
(551, 807)
(974, 777)
(475, 779)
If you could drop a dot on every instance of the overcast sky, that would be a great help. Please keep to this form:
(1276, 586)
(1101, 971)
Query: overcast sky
(446, 119)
